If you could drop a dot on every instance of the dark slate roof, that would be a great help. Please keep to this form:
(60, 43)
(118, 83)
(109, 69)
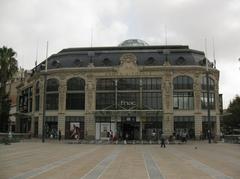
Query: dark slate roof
(110, 56)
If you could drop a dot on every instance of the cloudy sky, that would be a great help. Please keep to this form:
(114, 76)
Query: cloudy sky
(26, 25)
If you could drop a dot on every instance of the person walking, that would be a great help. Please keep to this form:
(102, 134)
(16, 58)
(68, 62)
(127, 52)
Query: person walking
(163, 141)
(59, 135)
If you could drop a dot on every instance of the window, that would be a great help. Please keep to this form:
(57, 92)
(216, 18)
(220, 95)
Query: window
(128, 84)
(128, 100)
(105, 96)
(183, 82)
(211, 100)
(204, 83)
(151, 83)
(37, 96)
(105, 84)
(184, 124)
(126, 93)
(25, 100)
(152, 100)
(105, 100)
(150, 61)
(183, 100)
(75, 93)
(107, 62)
(204, 103)
(183, 96)
(52, 94)
(181, 61)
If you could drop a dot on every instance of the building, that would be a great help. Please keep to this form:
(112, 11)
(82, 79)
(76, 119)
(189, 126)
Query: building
(11, 90)
(136, 90)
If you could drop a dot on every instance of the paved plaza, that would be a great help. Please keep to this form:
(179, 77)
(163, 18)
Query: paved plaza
(33, 159)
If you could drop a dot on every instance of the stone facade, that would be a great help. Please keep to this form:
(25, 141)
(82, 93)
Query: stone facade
(128, 68)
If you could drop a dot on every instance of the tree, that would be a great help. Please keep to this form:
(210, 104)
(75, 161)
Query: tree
(8, 67)
(232, 121)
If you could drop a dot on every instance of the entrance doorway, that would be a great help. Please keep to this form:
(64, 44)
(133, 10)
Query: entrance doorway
(128, 128)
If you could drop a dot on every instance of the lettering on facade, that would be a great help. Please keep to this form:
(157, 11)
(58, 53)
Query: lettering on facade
(127, 103)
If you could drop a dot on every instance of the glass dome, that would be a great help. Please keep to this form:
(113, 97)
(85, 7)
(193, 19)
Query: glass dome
(133, 42)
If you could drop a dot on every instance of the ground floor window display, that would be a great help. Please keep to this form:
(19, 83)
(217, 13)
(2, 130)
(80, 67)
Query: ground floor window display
(128, 128)
(184, 126)
(51, 126)
(74, 127)
(152, 128)
(104, 128)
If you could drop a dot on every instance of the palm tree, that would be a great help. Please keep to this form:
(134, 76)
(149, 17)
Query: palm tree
(8, 67)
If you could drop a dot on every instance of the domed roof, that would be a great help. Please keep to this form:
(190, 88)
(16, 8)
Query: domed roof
(133, 42)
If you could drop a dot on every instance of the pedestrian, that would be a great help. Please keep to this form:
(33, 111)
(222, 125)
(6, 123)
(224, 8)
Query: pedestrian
(163, 141)
(184, 137)
(59, 135)
(111, 135)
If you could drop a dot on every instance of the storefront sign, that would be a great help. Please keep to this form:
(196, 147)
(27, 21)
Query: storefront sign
(127, 103)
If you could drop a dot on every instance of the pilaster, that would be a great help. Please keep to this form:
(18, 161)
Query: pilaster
(198, 126)
(62, 105)
(40, 122)
(90, 103)
(167, 94)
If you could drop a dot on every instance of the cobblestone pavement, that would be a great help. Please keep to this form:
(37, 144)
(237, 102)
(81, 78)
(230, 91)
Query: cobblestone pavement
(33, 159)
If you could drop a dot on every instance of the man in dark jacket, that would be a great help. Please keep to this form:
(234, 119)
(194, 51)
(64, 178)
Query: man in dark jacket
(163, 141)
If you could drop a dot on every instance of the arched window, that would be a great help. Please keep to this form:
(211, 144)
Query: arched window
(183, 96)
(52, 94)
(211, 93)
(183, 82)
(75, 94)
(37, 96)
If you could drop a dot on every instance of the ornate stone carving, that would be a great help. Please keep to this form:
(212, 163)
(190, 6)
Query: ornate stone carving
(128, 63)
(128, 59)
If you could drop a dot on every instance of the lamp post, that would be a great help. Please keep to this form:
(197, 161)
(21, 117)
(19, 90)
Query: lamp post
(44, 105)
(208, 103)
(44, 96)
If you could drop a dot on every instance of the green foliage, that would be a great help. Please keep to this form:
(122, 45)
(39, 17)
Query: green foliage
(8, 67)
(232, 121)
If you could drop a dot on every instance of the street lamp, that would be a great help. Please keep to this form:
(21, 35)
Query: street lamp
(208, 103)
(44, 96)
(44, 104)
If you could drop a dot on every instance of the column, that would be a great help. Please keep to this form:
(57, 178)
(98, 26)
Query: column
(217, 108)
(32, 125)
(198, 126)
(62, 105)
(141, 126)
(197, 105)
(90, 103)
(168, 124)
(217, 128)
(40, 119)
(167, 95)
